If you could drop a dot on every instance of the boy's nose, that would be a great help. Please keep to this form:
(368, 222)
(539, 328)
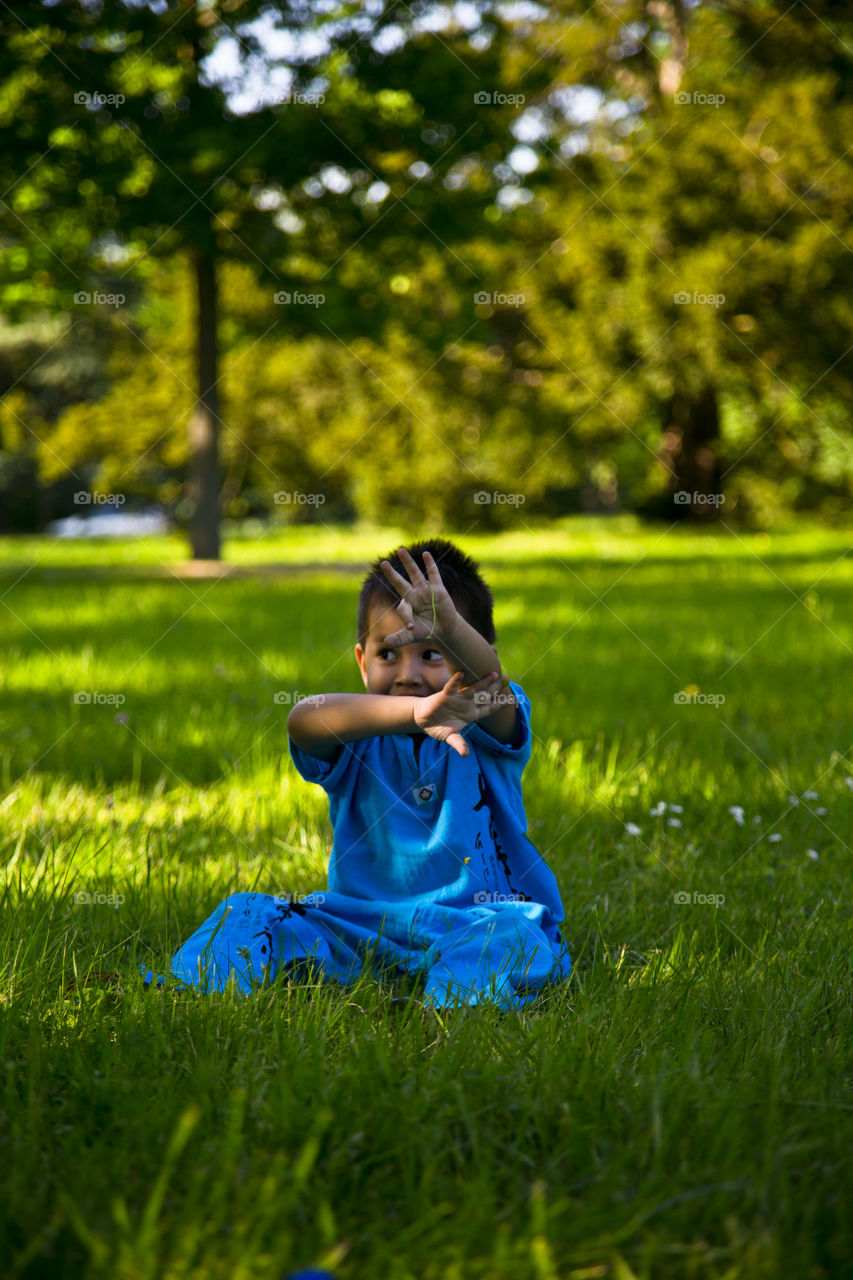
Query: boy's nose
(410, 675)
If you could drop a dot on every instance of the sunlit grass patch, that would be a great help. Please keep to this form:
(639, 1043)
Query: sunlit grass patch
(680, 1107)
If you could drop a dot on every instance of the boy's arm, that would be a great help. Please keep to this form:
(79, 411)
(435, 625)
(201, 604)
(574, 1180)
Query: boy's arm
(320, 728)
(465, 650)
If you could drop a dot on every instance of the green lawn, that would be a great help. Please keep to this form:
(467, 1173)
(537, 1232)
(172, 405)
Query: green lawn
(681, 1108)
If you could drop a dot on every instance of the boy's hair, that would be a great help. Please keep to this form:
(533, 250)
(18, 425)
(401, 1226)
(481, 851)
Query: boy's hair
(459, 573)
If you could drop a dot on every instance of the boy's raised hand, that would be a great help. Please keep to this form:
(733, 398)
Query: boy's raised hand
(443, 714)
(426, 608)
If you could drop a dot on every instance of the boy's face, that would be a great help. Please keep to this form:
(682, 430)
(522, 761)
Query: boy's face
(411, 670)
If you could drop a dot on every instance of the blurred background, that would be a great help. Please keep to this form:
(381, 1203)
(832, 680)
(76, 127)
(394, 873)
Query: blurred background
(290, 263)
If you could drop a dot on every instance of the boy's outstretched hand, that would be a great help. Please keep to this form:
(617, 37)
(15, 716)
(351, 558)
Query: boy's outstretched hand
(426, 607)
(443, 714)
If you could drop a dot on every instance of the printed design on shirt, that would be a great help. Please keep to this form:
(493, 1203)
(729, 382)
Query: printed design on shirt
(283, 909)
(423, 793)
(502, 858)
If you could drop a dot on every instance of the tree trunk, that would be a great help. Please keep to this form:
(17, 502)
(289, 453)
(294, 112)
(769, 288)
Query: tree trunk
(691, 432)
(204, 424)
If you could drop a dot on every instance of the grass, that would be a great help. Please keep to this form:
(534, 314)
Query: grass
(681, 1108)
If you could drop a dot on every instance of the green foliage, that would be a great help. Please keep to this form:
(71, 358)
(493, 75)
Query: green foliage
(713, 164)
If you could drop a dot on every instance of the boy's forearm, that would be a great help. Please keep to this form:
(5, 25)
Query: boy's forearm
(346, 717)
(465, 650)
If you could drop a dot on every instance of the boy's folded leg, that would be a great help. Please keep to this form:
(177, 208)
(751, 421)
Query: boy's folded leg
(498, 959)
(251, 937)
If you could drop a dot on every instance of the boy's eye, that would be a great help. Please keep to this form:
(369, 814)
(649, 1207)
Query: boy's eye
(428, 653)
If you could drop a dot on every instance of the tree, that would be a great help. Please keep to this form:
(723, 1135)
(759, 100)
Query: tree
(692, 190)
(150, 144)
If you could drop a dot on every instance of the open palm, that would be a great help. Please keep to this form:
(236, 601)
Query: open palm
(426, 609)
(442, 715)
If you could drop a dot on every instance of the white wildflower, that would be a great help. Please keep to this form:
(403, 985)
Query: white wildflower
(757, 818)
(737, 813)
(676, 808)
(673, 822)
(659, 808)
(810, 795)
(849, 782)
(793, 800)
(813, 854)
(820, 811)
(632, 829)
(774, 837)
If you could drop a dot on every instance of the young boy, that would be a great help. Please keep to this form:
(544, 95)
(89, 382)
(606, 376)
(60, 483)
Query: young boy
(431, 869)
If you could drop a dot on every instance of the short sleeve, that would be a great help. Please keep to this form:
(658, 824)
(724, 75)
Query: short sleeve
(485, 742)
(325, 773)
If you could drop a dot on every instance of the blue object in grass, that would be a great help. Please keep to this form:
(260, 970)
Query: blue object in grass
(309, 1275)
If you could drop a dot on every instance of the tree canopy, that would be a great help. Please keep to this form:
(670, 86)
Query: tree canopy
(404, 257)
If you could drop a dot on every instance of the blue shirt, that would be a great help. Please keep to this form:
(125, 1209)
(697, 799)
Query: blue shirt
(422, 848)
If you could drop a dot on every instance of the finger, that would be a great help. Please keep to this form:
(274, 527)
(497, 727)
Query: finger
(394, 577)
(412, 568)
(432, 570)
(459, 744)
(404, 609)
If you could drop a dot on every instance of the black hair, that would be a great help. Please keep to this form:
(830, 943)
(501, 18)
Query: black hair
(459, 573)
